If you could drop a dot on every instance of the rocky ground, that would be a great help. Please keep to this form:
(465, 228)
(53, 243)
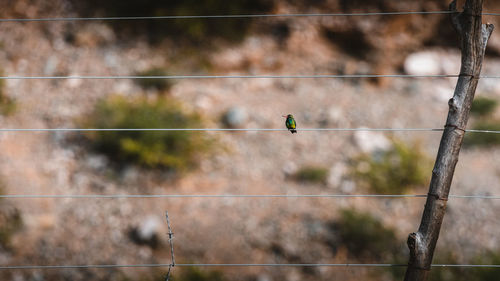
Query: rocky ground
(230, 230)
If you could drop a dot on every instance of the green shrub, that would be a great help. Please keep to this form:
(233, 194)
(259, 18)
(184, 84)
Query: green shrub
(393, 171)
(172, 150)
(486, 274)
(10, 222)
(446, 256)
(312, 174)
(482, 106)
(187, 274)
(366, 238)
(157, 84)
(481, 139)
(7, 105)
(465, 274)
(195, 274)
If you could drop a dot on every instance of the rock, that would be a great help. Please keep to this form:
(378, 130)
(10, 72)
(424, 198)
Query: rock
(348, 187)
(370, 142)
(290, 168)
(235, 117)
(336, 174)
(432, 63)
(149, 227)
(50, 65)
(422, 63)
(147, 232)
(96, 162)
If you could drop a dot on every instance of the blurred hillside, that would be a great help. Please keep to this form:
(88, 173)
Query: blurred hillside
(237, 230)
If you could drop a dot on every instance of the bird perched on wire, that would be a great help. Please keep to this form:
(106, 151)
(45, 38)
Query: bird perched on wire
(290, 123)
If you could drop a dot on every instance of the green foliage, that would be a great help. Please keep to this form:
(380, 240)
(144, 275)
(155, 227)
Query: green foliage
(188, 274)
(158, 84)
(482, 106)
(10, 222)
(393, 171)
(459, 273)
(195, 274)
(7, 105)
(173, 150)
(480, 139)
(194, 30)
(366, 238)
(312, 174)
(465, 274)
(486, 274)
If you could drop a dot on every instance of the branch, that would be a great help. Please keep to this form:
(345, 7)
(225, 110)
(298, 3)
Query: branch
(473, 36)
(455, 17)
(171, 242)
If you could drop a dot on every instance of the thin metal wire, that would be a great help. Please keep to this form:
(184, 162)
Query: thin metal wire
(14, 267)
(241, 76)
(234, 130)
(212, 129)
(246, 76)
(118, 196)
(233, 16)
(76, 196)
(483, 131)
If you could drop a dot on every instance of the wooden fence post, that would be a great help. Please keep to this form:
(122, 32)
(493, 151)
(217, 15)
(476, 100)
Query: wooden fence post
(473, 37)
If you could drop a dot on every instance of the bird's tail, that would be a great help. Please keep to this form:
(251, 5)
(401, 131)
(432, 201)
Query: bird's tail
(293, 131)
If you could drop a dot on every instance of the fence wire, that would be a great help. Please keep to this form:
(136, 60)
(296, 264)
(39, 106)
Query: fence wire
(312, 76)
(228, 16)
(104, 266)
(270, 196)
(107, 266)
(241, 16)
(236, 130)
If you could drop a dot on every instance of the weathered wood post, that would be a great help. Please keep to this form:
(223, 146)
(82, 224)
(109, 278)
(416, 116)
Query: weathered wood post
(473, 37)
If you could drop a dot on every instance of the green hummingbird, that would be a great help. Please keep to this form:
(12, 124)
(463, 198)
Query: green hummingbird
(290, 123)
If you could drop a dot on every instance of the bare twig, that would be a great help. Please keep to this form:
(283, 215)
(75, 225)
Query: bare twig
(474, 36)
(171, 242)
(168, 273)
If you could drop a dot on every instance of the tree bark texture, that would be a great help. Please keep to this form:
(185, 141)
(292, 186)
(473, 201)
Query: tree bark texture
(473, 37)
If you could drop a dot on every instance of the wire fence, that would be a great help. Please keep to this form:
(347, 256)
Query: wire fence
(270, 196)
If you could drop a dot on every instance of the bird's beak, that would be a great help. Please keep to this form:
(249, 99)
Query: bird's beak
(283, 116)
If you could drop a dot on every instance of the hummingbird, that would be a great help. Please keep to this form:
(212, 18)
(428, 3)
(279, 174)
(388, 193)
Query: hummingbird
(290, 123)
